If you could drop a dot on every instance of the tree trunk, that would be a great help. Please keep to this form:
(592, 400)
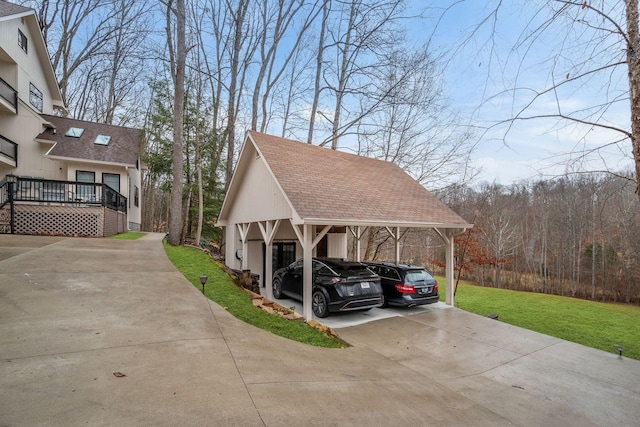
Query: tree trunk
(633, 62)
(175, 226)
(199, 176)
(238, 23)
(316, 87)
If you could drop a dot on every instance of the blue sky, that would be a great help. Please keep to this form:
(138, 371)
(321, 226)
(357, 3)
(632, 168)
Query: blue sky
(484, 66)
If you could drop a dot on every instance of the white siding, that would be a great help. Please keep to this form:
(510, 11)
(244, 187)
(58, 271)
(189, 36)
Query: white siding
(258, 197)
(232, 244)
(30, 69)
(337, 245)
(255, 258)
(134, 212)
(21, 129)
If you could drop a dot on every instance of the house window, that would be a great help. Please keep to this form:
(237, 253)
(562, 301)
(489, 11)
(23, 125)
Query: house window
(22, 41)
(112, 180)
(102, 140)
(86, 193)
(74, 132)
(35, 97)
(136, 196)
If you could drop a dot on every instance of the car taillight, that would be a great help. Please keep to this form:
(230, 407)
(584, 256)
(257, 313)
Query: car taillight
(435, 287)
(406, 289)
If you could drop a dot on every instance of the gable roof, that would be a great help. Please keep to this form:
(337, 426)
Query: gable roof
(123, 148)
(331, 187)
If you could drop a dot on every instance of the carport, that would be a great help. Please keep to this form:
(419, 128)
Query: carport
(284, 190)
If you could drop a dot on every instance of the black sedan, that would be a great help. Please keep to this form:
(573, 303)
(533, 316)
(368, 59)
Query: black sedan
(337, 285)
(406, 285)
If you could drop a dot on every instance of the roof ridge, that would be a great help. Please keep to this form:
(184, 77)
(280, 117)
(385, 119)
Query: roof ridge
(319, 147)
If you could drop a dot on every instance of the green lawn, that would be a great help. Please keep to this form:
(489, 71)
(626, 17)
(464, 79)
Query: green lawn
(192, 263)
(594, 324)
(129, 235)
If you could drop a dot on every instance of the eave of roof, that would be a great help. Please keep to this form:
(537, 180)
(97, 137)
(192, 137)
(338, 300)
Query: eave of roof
(96, 162)
(370, 223)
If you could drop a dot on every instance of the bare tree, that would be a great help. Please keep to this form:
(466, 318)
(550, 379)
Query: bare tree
(275, 21)
(95, 49)
(586, 48)
(72, 48)
(110, 87)
(413, 125)
(237, 16)
(178, 65)
(363, 30)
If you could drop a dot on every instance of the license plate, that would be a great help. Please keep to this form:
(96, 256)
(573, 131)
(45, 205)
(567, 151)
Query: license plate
(364, 285)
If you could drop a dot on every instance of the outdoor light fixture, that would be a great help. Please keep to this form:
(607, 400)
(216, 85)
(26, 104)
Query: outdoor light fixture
(203, 280)
(620, 348)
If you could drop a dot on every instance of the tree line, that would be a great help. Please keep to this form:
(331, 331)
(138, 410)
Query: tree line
(577, 236)
(348, 74)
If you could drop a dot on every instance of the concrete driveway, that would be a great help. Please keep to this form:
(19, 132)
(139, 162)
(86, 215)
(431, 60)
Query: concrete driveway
(107, 332)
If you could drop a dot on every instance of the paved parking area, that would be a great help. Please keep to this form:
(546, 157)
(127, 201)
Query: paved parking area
(355, 318)
(106, 332)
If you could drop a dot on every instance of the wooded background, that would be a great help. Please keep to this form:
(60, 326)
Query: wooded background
(354, 75)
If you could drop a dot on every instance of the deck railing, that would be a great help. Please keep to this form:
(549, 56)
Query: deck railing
(8, 148)
(37, 190)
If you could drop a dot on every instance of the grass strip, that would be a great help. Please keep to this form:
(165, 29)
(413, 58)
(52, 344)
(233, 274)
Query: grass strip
(220, 288)
(129, 235)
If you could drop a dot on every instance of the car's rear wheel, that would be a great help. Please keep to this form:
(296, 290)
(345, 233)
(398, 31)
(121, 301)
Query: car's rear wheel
(277, 288)
(319, 304)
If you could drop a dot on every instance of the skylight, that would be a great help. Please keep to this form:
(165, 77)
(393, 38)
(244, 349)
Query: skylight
(74, 132)
(102, 140)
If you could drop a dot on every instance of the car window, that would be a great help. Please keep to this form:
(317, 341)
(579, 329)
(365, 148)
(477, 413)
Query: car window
(324, 271)
(353, 270)
(418, 276)
(391, 273)
(321, 269)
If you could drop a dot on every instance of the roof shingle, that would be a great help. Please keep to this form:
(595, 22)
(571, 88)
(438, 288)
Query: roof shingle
(10, 9)
(330, 185)
(123, 148)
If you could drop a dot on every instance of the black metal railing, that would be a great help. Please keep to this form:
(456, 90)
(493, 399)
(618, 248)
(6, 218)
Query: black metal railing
(27, 189)
(8, 148)
(8, 93)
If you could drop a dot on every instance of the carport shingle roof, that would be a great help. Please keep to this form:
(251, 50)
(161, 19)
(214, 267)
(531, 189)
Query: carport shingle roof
(328, 186)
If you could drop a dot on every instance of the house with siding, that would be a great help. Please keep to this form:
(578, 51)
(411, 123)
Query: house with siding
(57, 175)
